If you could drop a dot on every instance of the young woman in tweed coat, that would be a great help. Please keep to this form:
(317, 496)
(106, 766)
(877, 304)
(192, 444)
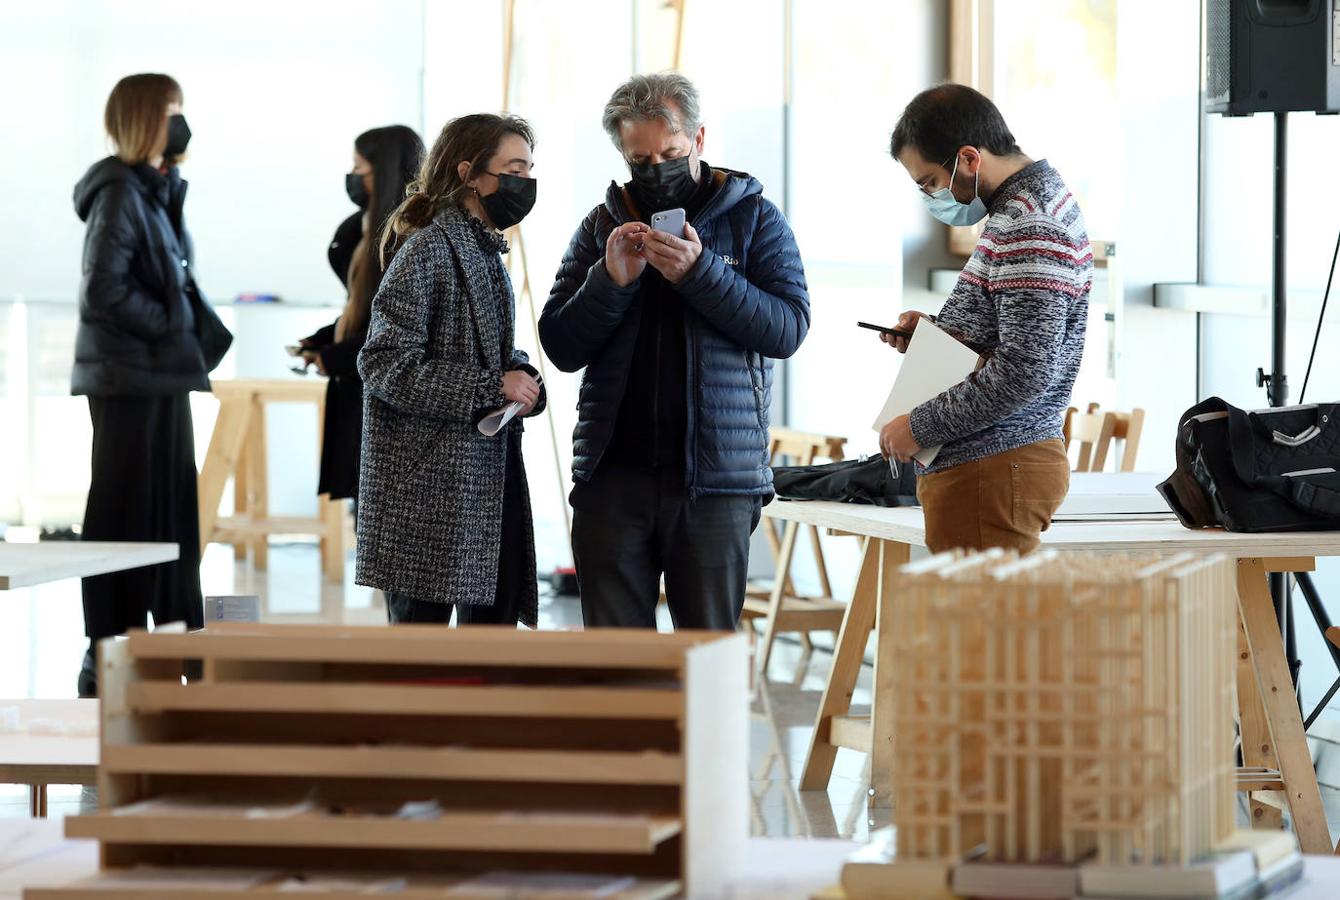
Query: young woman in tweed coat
(444, 517)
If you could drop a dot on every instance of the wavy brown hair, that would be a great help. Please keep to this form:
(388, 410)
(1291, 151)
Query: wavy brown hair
(136, 115)
(473, 139)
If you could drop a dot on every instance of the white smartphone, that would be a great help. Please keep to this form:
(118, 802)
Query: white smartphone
(671, 222)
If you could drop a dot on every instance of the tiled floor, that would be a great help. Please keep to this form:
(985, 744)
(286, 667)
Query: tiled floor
(41, 642)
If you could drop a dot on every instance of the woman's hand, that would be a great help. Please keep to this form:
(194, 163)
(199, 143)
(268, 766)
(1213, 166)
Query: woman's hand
(623, 253)
(895, 438)
(313, 358)
(906, 322)
(520, 387)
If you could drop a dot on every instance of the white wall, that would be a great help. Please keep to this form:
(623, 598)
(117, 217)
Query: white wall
(867, 241)
(1159, 109)
(275, 94)
(1238, 227)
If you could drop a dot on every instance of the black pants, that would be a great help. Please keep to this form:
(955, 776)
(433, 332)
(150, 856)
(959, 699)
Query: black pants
(402, 609)
(143, 489)
(630, 526)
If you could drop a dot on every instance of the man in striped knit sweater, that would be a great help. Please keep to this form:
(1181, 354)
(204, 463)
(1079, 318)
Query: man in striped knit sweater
(1021, 302)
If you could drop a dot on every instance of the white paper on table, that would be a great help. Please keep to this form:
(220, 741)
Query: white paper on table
(934, 363)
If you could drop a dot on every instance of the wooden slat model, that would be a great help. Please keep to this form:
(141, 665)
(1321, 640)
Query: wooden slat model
(1064, 707)
(476, 762)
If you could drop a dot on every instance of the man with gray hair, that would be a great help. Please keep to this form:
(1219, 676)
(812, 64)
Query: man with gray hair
(677, 327)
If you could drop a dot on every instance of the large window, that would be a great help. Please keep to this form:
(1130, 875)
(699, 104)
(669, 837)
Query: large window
(1051, 67)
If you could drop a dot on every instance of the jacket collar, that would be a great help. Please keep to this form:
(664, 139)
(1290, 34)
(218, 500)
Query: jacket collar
(455, 223)
(732, 188)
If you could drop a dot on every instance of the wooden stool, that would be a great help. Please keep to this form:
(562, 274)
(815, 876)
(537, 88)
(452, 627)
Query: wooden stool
(237, 448)
(1096, 431)
(779, 605)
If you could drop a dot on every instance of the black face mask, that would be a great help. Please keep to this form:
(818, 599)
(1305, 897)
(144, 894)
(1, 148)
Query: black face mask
(511, 202)
(353, 186)
(178, 136)
(663, 185)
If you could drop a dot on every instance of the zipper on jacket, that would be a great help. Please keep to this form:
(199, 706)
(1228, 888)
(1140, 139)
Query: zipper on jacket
(691, 426)
(756, 382)
(656, 393)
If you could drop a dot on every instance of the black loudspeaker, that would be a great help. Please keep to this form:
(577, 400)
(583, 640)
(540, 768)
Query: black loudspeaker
(1272, 56)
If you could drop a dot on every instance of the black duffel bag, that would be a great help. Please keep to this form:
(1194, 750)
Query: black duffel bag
(1257, 470)
(849, 481)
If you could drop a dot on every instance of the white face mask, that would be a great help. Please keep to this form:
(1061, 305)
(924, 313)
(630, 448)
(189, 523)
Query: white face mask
(944, 206)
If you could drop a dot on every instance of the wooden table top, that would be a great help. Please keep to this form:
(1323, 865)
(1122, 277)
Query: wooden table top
(278, 390)
(64, 749)
(908, 526)
(24, 565)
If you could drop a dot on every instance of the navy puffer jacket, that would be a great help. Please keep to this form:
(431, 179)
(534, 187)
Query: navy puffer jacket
(745, 304)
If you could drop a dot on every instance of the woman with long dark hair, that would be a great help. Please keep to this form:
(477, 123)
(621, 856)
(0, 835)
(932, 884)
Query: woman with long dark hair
(147, 338)
(444, 514)
(385, 162)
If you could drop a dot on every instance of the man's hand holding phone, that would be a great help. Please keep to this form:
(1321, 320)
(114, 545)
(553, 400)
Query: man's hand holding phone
(907, 323)
(673, 256)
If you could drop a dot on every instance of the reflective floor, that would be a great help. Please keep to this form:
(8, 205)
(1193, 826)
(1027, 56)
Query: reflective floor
(41, 643)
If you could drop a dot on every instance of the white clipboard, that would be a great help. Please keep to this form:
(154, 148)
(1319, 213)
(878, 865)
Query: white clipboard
(934, 363)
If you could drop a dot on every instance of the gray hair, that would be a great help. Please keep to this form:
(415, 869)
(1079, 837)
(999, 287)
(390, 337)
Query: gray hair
(645, 97)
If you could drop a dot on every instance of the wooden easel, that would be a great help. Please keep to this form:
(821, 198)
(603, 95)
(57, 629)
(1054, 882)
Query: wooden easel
(779, 605)
(237, 449)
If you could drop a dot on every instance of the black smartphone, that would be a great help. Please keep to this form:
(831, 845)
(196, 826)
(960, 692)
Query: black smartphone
(882, 330)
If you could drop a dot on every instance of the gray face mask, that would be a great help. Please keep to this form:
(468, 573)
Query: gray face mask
(944, 206)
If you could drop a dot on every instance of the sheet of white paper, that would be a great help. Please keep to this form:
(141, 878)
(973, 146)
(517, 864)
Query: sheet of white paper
(494, 421)
(934, 363)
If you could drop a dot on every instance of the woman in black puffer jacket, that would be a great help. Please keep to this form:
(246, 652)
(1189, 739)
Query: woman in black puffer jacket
(146, 339)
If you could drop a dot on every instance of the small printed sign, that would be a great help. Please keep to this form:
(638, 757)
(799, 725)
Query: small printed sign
(233, 608)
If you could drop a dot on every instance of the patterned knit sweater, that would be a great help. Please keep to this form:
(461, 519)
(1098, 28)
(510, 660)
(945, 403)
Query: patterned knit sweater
(1022, 301)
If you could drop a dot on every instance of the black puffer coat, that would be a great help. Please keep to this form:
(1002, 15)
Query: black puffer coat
(137, 324)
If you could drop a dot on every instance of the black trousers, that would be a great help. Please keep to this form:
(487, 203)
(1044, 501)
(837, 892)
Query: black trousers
(630, 526)
(143, 489)
(402, 609)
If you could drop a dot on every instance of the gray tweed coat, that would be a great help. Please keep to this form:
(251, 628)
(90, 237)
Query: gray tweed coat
(430, 493)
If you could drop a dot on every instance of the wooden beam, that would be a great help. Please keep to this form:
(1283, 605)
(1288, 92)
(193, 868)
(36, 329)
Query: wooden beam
(1284, 724)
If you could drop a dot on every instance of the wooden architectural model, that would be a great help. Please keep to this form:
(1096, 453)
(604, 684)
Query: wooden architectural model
(1064, 708)
(419, 760)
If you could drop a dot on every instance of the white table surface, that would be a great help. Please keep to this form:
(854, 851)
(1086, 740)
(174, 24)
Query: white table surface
(34, 854)
(24, 565)
(72, 742)
(907, 525)
(1114, 493)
